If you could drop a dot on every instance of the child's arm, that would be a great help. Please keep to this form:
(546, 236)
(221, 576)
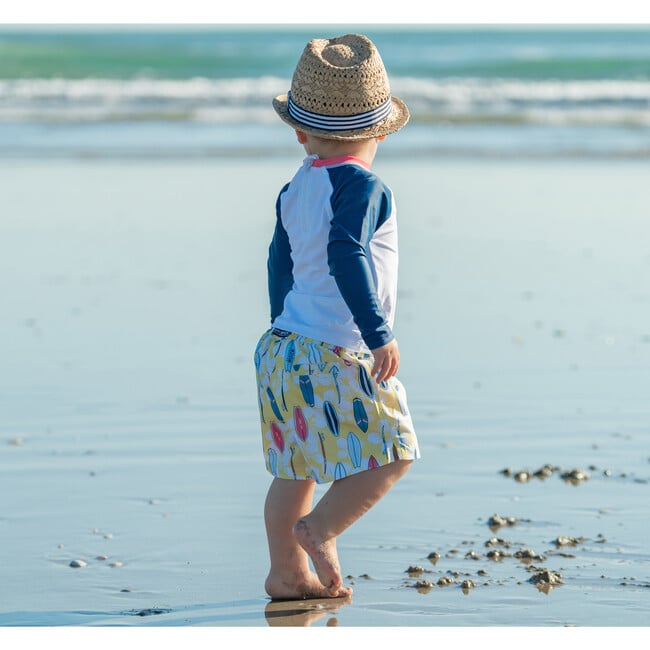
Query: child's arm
(360, 205)
(279, 267)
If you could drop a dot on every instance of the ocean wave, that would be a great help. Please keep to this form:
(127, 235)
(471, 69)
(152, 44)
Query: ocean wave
(245, 100)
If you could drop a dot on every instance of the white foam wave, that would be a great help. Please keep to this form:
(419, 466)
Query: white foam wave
(248, 100)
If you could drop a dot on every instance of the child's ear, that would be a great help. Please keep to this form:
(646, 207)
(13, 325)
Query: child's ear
(381, 138)
(302, 137)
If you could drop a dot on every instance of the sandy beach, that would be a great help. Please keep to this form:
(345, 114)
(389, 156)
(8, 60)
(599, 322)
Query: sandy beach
(133, 295)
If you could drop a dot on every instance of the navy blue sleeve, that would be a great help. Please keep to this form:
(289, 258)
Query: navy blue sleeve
(280, 264)
(360, 204)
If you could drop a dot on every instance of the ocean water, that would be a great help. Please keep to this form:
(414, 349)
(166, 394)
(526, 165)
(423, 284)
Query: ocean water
(206, 91)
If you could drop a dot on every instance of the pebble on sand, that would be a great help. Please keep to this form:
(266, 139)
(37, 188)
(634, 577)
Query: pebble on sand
(496, 521)
(78, 564)
(568, 541)
(575, 476)
(546, 577)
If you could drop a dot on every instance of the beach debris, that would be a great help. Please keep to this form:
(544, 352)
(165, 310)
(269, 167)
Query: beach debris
(78, 564)
(575, 476)
(496, 555)
(16, 442)
(546, 577)
(467, 584)
(545, 471)
(445, 581)
(415, 570)
(481, 572)
(472, 555)
(528, 555)
(568, 541)
(433, 557)
(150, 611)
(424, 586)
(497, 541)
(496, 521)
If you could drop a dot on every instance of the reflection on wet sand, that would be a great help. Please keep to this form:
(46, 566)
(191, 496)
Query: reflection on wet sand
(302, 613)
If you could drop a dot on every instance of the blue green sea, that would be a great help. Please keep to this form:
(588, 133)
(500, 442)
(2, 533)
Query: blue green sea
(206, 91)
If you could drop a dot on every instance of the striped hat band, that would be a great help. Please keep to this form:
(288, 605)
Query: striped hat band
(339, 122)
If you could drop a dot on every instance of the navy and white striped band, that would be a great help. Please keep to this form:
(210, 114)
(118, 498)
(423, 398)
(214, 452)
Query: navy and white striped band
(339, 122)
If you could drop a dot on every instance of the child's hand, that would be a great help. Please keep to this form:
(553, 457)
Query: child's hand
(386, 361)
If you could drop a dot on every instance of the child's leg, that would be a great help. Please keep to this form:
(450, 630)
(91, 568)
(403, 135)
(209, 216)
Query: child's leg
(346, 501)
(290, 575)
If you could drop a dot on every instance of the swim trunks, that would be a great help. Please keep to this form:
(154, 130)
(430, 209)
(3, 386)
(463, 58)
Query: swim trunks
(323, 416)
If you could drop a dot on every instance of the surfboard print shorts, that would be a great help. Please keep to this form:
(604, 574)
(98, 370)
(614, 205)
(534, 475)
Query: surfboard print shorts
(322, 415)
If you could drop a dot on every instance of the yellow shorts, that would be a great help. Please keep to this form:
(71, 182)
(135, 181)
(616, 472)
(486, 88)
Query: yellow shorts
(323, 416)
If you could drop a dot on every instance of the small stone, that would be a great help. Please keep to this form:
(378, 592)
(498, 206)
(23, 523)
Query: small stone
(472, 556)
(496, 555)
(496, 521)
(507, 472)
(78, 564)
(568, 541)
(575, 476)
(102, 557)
(16, 442)
(424, 586)
(481, 572)
(415, 569)
(497, 541)
(434, 556)
(116, 565)
(527, 554)
(544, 472)
(468, 584)
(546, 577)
(445, 581)
(108, 536)
(522, 477)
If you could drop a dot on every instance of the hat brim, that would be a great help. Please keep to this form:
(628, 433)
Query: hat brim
(398, 117)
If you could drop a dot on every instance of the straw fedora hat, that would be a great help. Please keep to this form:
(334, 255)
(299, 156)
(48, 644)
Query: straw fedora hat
(340, 91)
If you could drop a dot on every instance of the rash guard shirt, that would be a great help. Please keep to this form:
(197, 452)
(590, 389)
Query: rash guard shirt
(332, 265)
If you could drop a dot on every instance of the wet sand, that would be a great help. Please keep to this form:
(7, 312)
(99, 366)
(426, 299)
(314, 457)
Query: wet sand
(133, 297)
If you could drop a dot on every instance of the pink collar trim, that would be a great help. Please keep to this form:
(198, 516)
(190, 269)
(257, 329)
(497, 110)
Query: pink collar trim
(326, 162)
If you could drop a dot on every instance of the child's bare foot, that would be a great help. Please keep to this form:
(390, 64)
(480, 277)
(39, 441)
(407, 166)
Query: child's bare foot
(300, 587)
(323, 555)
